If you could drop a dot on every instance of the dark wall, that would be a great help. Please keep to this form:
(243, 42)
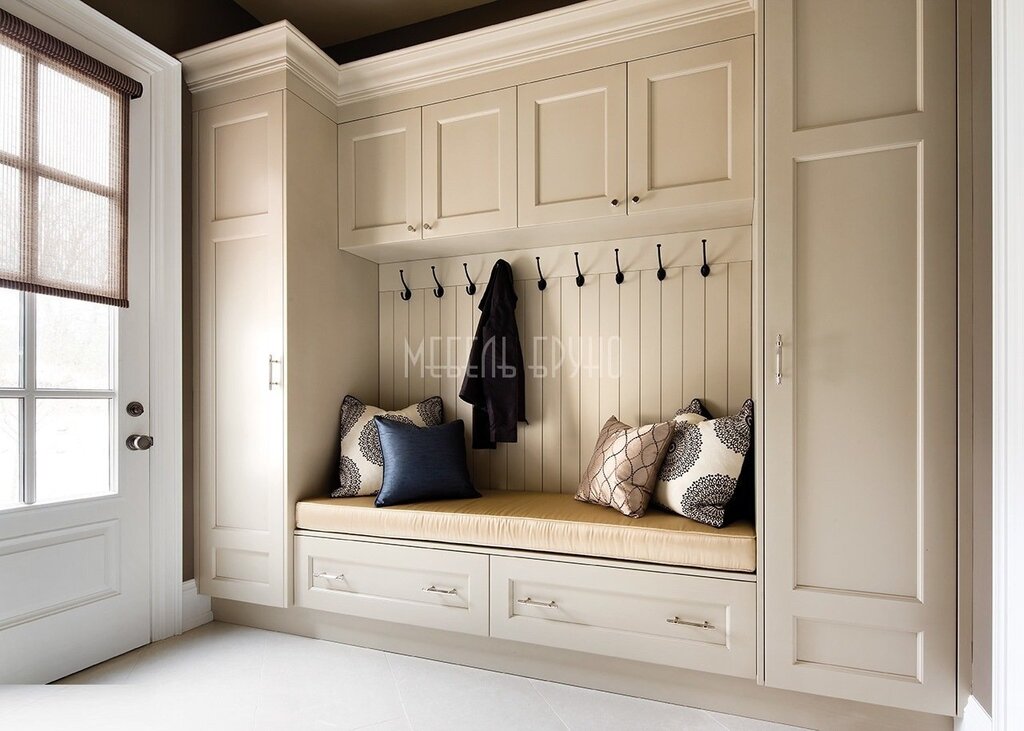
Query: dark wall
(176, 26)
(463, 21)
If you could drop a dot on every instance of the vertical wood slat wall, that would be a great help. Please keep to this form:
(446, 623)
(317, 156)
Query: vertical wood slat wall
(644, 348)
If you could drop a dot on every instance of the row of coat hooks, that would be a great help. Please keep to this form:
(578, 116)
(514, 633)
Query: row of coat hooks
(542, 283)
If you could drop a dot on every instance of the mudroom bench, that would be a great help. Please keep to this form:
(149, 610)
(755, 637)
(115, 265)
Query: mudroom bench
(541, 568)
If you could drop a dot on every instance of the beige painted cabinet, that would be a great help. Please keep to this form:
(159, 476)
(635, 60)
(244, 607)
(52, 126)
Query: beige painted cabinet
(861, 405)
(379, 180)
(572, 147)
(469, 164)
(691, 127)
(282, 335)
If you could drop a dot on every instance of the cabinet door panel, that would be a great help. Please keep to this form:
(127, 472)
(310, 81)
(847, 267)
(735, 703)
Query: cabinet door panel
(469, 164)
(691, 127)
(241, 342)
(379, 179)
(860, 283)
(572, 147)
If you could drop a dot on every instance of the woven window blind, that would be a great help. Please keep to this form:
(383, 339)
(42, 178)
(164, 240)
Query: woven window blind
(63, 168)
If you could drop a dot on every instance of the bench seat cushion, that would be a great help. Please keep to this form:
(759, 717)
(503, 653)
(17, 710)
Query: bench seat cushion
(536, 521)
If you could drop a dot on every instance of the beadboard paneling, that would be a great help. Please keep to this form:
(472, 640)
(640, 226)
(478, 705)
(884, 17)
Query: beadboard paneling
(639, 350)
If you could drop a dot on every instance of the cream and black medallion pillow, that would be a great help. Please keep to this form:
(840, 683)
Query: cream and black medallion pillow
(361, 467)
(702, 468)
(622, 472)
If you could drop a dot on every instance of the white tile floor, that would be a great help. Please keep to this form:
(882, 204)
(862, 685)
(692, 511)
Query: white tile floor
(222, 676)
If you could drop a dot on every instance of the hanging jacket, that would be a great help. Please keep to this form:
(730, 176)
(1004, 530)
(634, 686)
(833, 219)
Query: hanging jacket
(495, 378)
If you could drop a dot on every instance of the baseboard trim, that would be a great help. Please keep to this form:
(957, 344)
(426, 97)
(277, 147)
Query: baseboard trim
(641, 680)
(196, 608)
(975, 717)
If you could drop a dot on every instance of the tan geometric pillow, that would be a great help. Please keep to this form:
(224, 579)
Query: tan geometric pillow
(624, 468)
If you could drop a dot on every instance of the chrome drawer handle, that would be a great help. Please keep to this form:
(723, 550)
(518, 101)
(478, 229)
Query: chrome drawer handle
(778, 360)
(702, 625)
(434, 590)
(534, 603)
(271, 360)
(329, 577)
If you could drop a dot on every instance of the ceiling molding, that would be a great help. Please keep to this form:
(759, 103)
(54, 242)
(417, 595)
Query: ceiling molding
(586, 25)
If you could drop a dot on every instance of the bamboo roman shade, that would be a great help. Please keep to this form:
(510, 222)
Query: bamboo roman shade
(63, 168)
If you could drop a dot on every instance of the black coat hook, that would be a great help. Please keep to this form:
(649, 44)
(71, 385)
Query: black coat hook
(619, 276)
(661, 267)
(705, 269)
(580, 279)
(542, 283)
(438, 290)
(407, 294)
(471, 289)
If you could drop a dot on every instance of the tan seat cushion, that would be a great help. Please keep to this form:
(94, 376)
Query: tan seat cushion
(536, 521)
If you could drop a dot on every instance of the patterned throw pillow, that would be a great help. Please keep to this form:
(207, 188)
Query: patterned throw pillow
(361, 467)
(623, 470)
(703, 464)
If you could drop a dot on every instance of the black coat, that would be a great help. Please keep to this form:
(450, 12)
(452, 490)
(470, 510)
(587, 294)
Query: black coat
(495, 378)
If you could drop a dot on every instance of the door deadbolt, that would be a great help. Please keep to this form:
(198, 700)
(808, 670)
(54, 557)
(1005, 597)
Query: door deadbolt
(135, 409)
(139, 442)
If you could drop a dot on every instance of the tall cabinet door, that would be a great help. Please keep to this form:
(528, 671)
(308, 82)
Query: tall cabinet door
(691, 127)
(860, 407)
(379, 179)
(241, 541)
(572, 147)
(469, 164)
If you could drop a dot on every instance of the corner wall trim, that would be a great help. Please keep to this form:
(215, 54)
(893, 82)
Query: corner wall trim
(197, 609)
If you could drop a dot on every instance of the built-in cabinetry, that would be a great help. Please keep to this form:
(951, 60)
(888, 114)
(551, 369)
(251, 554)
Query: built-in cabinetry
(667, 132)
(860, 405)
(279, 324)
(851, 304)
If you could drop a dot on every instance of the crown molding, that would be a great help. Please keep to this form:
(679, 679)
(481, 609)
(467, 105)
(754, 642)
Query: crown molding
(276, 47)
(586, 25)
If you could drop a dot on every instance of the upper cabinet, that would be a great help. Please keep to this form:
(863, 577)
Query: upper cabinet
(572, 147)
(580, 154)
(469, 164)
(379, 198)
(691, 127)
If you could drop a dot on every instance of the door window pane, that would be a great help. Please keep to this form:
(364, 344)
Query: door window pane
(72, 448)
(72, 344)
(10, 219)
(10, 100)
(10, 451)
(73, 148)
(73, 221)
(10, 338)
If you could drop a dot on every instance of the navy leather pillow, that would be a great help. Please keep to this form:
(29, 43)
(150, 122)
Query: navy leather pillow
(423, 463)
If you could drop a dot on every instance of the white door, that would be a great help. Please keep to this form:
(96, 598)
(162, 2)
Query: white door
(572, 147)
(469, 164)
(860, 406)
(379, 179)
(74, 500)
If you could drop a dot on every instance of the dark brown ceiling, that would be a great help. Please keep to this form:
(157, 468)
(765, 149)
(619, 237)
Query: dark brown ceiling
(178, 25)
(480, 16)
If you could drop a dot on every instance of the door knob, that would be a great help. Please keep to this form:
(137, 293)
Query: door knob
(139, 442)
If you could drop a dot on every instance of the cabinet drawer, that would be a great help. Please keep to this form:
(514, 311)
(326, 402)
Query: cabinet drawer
(426, 587)
(639, 615)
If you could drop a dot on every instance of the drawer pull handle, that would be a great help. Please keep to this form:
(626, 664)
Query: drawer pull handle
(534, 603)
(329, 577)
(434, 590)
(702, 625)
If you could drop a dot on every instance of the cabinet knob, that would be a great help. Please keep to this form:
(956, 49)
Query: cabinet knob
(615, 201)
(411, 227)
(426, 226)
(636, 199)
